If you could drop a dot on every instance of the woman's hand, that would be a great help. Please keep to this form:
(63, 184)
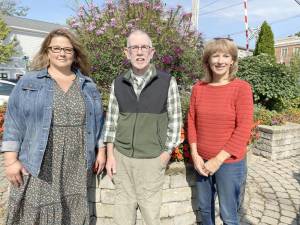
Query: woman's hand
(100, 161)
(199, 164)
(14, 172)
(212, 165)
(198, 161)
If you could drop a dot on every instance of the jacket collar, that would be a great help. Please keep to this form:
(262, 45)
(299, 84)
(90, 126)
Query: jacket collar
(44, 73)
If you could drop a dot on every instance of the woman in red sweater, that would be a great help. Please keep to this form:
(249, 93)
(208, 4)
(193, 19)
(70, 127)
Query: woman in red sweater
(219, 125)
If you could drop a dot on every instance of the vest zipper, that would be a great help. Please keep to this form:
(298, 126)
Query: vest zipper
(136, 113)
(133, 134)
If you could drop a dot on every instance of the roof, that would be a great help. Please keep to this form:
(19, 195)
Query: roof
(22, 23)
(292, 40)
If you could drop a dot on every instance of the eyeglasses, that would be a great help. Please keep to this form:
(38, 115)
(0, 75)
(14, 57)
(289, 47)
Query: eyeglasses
(57, 49)
(135, 48)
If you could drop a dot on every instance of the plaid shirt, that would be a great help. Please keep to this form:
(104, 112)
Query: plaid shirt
(173, 108)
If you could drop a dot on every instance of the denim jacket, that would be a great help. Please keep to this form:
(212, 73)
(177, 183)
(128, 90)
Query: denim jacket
(29, 114)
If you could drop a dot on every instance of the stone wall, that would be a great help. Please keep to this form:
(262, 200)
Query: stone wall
(178, 206)
(278, 142)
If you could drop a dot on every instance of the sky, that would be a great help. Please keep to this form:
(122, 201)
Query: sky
(217, 18)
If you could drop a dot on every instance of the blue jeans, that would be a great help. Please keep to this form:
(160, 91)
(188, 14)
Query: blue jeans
(229, 183)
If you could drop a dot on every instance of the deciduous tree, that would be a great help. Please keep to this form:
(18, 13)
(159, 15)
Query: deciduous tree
(6, 47)
(11, 8)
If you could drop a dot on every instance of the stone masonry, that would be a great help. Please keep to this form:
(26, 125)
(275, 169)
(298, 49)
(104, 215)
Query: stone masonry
(278, 142)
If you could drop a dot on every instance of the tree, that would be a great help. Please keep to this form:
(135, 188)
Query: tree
(298, 34)
(10, 8)
(6, 47)
(103, 32)
(265, 42)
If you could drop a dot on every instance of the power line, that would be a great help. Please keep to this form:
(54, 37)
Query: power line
(205, 6)
(217, 10)
(274, 22)
(292, 17)
(298, 2)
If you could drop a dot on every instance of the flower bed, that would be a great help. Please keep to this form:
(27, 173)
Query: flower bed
(2, 114)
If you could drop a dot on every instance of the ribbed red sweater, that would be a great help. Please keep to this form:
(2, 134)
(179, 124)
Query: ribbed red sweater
(220, 118)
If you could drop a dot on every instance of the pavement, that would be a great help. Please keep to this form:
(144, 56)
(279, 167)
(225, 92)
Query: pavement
(272, 193)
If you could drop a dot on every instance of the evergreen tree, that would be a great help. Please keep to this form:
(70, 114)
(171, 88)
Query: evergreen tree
(298, 34)
(6, 48)
(265, 42)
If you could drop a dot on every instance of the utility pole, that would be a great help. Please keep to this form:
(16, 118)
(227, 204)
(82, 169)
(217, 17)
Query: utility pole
(195, 13)
(246, 24)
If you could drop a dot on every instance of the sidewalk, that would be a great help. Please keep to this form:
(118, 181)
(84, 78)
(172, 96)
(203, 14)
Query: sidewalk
(272, 192)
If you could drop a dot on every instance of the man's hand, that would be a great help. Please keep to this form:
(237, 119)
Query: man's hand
(165, 158)
(100, 160)
(111, 161)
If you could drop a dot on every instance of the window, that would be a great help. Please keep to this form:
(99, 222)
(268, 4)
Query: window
(284, 52)
(6, 89)
(3, 75)
(296, 51)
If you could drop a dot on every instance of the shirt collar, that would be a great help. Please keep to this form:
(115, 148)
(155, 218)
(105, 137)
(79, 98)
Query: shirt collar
(150, 73)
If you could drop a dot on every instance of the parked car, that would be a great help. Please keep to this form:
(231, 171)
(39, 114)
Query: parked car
(6, 88)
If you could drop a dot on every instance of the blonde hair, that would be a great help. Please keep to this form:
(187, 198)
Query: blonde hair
(41, 60)
(222, 45)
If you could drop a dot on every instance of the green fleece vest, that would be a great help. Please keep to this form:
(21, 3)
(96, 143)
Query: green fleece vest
(142, 123)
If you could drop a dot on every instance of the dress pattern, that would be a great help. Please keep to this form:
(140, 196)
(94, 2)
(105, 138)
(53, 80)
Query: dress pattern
(58, 196)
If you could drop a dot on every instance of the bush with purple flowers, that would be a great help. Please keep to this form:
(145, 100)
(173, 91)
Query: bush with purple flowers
(103, 31)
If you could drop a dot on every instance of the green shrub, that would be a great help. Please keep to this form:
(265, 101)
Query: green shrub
(273, 84)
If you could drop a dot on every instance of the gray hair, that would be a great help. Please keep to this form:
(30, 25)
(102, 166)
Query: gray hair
(139, 32)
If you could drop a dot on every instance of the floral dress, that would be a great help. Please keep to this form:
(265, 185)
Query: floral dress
(58, 196)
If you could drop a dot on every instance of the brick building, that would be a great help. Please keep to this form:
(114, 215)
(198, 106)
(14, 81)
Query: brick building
(286, 48)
